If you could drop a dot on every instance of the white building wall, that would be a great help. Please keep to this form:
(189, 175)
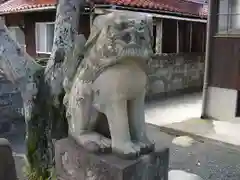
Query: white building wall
(221, 104)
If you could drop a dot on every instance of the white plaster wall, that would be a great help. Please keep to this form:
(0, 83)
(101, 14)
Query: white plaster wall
(198, 1)
(221, 103)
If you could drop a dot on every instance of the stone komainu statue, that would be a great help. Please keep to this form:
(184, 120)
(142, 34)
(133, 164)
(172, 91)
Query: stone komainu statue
(109, 86)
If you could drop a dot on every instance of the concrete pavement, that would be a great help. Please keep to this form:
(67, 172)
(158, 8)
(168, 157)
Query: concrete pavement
(208, 160)
(174, 109)
(181, 115)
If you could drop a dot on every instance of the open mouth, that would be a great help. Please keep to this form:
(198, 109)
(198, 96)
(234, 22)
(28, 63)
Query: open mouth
(134, 52)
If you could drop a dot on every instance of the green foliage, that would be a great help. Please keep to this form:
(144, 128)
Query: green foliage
(31, 174)
(42, 61)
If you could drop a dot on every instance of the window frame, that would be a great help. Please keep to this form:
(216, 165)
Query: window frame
(45, 38)
(229, 14)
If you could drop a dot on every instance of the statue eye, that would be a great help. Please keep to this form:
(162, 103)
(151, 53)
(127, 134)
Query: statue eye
(121, 26)
(132, 22)
(142, 38)
(124, 25)
(142, 22)
(126, 37)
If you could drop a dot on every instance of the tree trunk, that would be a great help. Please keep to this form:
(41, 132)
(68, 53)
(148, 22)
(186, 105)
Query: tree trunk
(42, 91)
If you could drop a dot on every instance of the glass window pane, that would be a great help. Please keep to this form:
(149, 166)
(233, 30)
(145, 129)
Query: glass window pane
(223, 7)
(50, 36)
(36, 37)
(234, 7)
(40, 37)
(222, 23)
(234, 23)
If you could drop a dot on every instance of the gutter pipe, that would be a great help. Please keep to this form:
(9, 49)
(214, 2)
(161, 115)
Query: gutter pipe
(207, 57)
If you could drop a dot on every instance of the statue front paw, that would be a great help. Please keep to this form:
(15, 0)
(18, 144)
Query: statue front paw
(146, 145)
(126, 150)
(94, 142)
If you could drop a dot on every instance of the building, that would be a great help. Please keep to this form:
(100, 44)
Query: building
(222, 82)
(179, 35)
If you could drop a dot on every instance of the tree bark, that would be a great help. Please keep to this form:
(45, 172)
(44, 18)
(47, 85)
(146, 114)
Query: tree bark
(42, 90)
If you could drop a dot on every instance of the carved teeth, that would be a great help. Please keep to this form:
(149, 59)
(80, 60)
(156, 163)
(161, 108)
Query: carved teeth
(138, 52)
(145, 52)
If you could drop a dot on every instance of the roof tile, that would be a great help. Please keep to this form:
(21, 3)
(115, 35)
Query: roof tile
(184, 7)
(21, 5)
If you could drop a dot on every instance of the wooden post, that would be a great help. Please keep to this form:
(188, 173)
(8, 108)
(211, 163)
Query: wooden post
(190, 37)
(203, 37)
(29, 34)
(178, 37)
(159, 34)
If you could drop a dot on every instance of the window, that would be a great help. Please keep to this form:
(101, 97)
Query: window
(191, 36)
(228, 17)
(169, 39)
(18, 35)
(198, 37)
(154, 39)
(184, 36)
(44, 37)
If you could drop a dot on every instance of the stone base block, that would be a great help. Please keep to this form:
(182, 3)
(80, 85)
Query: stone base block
(7, 165)
(74, 163)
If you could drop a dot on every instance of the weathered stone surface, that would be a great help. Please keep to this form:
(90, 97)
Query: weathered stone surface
(7, 165)
(11, 104)
(10, 95)
(75, 163)
(119, 43)
(5, 126)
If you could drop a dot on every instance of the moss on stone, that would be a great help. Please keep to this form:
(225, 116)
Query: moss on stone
(47, 123)
(31, 174)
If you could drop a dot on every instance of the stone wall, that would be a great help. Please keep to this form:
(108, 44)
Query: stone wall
(10, 104)
(175, 72)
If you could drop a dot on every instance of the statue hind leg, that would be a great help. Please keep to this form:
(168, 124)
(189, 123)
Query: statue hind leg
(137, 123)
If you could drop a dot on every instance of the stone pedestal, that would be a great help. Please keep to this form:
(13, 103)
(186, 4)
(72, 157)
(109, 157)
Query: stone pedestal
(75, 163)
(7, 165)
